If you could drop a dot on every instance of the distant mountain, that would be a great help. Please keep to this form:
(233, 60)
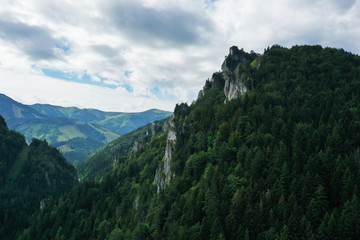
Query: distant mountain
(70, 136)
(87, 129)
(29, 175)
(118, 122)
(9, 109)
(112, 154)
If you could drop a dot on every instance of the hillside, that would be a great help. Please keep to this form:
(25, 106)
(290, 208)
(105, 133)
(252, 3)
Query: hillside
(269, 150)
(28, 175)
(113, 154)
(11, 109)
(62, 133)
(117, 122)
(70, 128)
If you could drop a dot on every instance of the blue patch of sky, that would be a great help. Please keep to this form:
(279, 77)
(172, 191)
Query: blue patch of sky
(65, 47)
(209, 3)
(127, 73)
(161, 95)
(74, 77)
(156, 91)
(128, 88)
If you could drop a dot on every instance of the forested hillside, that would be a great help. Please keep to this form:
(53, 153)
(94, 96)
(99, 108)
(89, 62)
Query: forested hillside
(111, 155)
(28, 175)
(269, 150)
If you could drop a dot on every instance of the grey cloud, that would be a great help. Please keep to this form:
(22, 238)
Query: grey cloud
(105, 50)
(344, 5)
(34, 41)
(174, 26)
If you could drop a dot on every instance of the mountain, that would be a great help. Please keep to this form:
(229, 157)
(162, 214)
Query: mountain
(75, 139)
(269, 150)
(117, 122)
(76, 132)
(101, 162)
(29, 176)
(11, 109)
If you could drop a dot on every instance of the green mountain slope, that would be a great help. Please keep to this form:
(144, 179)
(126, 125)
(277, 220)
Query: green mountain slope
(270, 150)
(12, 109)
(111, 155)
(56, 130)
(68, 128)
(117, 122)
(28, 175)
(61, 132)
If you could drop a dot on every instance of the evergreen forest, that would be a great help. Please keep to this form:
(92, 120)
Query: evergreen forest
(29, 176)
(279, 161)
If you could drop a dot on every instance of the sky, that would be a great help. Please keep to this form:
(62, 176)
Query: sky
(131, 56)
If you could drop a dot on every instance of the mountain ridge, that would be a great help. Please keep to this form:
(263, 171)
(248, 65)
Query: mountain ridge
(62, 124)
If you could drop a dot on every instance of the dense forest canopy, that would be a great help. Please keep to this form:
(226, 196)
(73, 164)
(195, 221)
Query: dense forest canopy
(279, 161)
(28, 175)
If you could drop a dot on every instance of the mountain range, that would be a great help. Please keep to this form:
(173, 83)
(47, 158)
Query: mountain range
(75, 132)
(269, 150)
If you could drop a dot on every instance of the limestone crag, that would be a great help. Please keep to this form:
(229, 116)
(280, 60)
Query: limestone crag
(234, 86)
(235, 57)
(137, 146)
(236, 75)
(152, 131)
(163, 174)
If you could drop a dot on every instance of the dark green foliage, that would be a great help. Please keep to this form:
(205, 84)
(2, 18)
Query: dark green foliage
(78, 148)
(102, 161)
(279, 162)
(29, 174)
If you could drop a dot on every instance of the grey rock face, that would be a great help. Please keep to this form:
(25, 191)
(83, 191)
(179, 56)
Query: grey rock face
(234, 85)
(235, 77)
(235, 56)
(163, 174)
(137, 146)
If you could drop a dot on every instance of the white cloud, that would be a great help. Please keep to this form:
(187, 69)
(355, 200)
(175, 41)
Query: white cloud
(172, 46)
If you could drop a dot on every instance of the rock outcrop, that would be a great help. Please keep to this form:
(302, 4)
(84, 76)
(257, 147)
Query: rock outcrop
(235, 76)
(137, 146)
(163, 174)
(235, 57)
(235, 85)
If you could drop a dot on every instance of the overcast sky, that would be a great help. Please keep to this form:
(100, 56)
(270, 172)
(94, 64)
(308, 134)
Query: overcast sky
(135, 55)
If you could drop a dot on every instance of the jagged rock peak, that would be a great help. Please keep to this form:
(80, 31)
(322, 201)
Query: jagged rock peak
(236, 75)
(235, 57)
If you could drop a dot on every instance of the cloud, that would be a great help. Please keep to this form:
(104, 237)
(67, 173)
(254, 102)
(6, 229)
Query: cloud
(106, 51)
(64, 93)
(151, 25)
(36, 42)
(161, 49)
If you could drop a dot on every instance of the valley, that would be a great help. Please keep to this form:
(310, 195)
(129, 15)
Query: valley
(75, 132)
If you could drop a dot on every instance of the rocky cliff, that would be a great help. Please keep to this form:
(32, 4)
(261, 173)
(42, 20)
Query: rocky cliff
(236, 74)
(163, 174)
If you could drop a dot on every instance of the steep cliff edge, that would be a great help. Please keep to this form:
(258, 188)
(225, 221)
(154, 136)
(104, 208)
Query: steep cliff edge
(236, 74)
(164, 175)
